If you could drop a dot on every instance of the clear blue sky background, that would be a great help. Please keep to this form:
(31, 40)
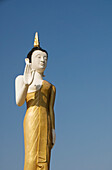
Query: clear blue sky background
(78, 37)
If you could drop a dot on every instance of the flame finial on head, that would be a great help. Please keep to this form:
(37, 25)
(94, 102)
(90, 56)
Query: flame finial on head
(36, 40)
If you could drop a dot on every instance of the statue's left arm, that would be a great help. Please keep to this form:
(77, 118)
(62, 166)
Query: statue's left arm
(51, 109)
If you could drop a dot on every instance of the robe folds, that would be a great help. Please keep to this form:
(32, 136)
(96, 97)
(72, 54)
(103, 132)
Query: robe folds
(38, 123)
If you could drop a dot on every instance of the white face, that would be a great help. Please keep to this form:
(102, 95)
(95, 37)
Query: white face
(39, 61)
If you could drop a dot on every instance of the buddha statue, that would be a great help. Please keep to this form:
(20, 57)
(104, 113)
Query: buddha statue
(39, 120)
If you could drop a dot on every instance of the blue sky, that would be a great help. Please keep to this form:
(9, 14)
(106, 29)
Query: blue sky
(78, 37)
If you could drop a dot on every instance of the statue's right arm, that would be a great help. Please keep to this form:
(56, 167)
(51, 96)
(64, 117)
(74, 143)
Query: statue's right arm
(20, 90)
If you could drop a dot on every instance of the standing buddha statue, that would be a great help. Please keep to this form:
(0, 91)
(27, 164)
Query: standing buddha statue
(39, 120)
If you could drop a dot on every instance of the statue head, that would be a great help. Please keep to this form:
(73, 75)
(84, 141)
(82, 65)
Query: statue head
(38, 56)
(38, 59)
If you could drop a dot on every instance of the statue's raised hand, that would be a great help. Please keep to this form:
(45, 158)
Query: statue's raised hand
(28, 73)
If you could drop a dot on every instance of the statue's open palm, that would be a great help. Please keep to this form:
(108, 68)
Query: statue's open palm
(28, 73)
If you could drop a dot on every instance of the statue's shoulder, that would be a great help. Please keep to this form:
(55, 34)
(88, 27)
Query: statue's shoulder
(19, 78)
(47, 83)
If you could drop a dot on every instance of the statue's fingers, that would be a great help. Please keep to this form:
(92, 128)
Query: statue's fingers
(33, 72)
(29, 68)
(27, 60)
(26, 70)
(28, 65)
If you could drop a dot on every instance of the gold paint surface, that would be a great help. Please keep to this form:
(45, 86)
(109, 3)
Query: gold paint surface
(36, 40)
(38, 124)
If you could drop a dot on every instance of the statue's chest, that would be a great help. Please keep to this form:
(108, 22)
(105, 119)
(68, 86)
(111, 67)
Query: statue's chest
(40, 96)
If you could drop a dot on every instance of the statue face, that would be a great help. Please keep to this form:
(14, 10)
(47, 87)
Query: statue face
(39, 61)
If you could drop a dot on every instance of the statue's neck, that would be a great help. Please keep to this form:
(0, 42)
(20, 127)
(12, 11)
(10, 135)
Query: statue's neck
(37, 77)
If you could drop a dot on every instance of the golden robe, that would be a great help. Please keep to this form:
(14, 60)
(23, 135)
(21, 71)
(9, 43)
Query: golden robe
(38, 124)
